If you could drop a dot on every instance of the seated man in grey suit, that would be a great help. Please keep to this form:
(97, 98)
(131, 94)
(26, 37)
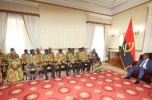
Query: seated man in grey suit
(144, 64)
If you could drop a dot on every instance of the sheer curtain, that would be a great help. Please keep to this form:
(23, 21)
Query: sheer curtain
(99, 42)
(90, 34)
(32, 27)
(148, 43)
(16, 36)
(3, 28)
(107, 30)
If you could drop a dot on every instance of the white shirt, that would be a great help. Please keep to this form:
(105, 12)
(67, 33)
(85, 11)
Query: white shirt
(144, 65)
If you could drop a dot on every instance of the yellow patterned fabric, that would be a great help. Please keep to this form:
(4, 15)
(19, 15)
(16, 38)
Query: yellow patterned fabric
(38, 57)
(98, 67)
(51, 56)
(33, 60)
(45, 58)
(25, 58)
(67, 52)
(10, 54)
(72, 57)
(1, 77)
(77, 55)
(1, 80)
(80, 56)
(3, 60)
(83, 56)
(3, 57)
(15, 71)
(60, 57)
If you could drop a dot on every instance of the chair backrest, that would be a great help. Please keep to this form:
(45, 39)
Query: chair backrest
(150, 56)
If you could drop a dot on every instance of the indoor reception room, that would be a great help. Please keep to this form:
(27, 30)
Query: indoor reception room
(75, 50)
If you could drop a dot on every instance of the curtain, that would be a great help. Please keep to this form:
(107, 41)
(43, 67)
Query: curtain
(90, 35)
(148, 43)
(99, 42)
(3, 28)
(107, 30)
(32, 27)
(18, 7)
(16, 36)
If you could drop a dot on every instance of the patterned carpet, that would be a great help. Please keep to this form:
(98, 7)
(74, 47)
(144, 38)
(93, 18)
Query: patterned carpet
(107, 85)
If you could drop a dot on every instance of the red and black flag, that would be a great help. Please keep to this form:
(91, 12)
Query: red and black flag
(127, 51)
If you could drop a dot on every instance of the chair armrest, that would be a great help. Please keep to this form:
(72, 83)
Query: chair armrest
(134, 63)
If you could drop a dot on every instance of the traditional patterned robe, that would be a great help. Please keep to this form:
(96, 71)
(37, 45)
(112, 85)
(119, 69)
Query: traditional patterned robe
(52, 56)
(77, 55)
(72, 57)
(33, 60)
(38, 57)
(83, 56)
(15, 71)
(3, 63)
(25, 58)
(9, 55)
(60, 57)
(45, 59)
(98, 67)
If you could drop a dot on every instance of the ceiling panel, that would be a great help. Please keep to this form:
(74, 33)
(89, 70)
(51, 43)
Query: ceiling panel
(107, 7)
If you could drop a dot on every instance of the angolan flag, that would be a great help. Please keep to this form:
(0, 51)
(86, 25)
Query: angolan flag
(127, 51)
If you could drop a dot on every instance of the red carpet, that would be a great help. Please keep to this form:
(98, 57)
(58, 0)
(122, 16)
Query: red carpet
(106, 85)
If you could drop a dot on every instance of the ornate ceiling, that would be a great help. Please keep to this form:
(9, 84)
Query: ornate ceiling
(107, 7)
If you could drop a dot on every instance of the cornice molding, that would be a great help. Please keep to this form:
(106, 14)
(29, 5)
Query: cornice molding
(105, 7)
(23, 2)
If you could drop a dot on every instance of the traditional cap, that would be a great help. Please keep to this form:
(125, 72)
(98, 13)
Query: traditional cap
(50, 48)
(72, 48)
(25, 50)
(69, 48)
(46, 50)
(32, 50)
(60, 49)
(12, 49)
(37, 49)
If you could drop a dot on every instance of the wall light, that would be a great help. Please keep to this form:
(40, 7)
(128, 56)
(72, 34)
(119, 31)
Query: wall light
(136, 32)
(113, 35)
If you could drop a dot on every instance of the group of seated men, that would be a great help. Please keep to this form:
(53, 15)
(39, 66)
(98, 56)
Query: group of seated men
(12, 66)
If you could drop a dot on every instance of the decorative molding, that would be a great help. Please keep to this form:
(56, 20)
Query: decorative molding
(97, 23)
(106, 7)
(25, 2)
(19, 12)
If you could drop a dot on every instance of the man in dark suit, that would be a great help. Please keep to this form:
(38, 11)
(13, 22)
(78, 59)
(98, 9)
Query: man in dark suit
(144, 65)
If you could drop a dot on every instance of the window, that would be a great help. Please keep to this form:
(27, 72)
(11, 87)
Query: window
(16, 36)
(98, 41)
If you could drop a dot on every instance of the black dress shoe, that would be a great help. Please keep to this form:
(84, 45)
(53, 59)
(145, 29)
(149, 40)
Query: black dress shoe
(52, 76)
(46, 78)
(137, 81)
(127, 77)
(34, 78)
